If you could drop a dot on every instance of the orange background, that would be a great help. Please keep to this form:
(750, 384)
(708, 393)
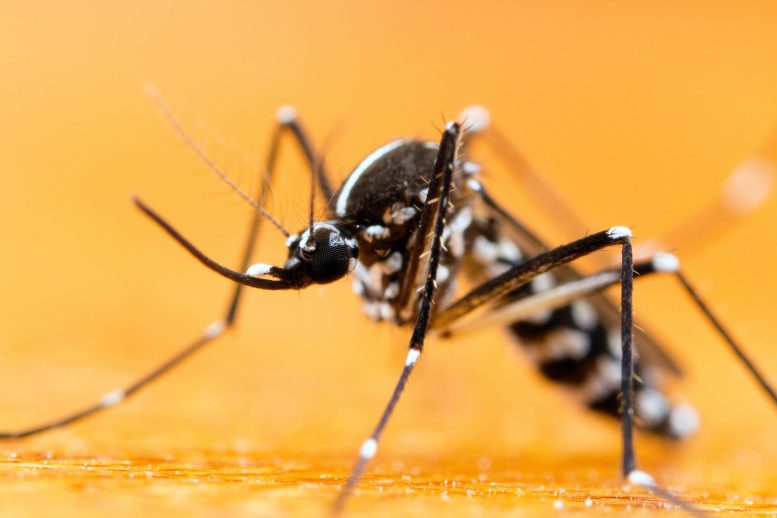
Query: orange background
(636, 111)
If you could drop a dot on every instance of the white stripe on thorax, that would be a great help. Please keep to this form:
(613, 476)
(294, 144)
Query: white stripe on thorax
(342, 200)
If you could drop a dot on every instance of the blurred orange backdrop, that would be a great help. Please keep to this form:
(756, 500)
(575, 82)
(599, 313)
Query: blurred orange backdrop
(636, 111)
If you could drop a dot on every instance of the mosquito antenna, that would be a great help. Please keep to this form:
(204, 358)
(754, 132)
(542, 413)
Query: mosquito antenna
(172, 120)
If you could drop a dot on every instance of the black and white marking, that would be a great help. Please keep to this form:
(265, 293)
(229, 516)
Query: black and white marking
(413, 218)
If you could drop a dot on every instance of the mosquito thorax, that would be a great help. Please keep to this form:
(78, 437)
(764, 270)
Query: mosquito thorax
(322, 254)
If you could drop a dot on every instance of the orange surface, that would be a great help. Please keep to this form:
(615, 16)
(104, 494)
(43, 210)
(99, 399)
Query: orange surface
(637, 112)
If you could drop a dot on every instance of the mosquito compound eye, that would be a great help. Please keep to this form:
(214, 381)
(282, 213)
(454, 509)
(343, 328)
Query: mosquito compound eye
(333, 256)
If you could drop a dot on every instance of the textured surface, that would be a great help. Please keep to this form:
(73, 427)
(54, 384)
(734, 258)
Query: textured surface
(636, 112)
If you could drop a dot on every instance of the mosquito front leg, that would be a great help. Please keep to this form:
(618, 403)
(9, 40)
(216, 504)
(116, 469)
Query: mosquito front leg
(217, 328)
(115, 397)
(288, 120)
(436, 205)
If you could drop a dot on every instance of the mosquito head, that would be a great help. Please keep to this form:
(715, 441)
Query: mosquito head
(322, 253)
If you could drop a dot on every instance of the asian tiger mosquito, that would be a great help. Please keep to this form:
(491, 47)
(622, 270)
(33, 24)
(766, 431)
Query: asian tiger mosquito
(410, 218)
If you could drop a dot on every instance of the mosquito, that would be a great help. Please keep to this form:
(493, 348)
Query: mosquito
(413, 219)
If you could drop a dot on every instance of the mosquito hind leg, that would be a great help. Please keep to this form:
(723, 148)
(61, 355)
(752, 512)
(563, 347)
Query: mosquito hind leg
(520, 274)
(523, 305)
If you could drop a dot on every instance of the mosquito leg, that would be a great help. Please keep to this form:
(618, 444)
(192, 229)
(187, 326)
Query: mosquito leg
(287, 117)
(287, 121)
(494, 289)
(563, 294)
(210, 333)
(644, 480)
(527, 305)
(115, 397)
(413, 271)
(627, 357)
(436, 205)
(726, 335)
(523, 307)
(499, 286)
(528, 241)
(617, 235)
(510, 280)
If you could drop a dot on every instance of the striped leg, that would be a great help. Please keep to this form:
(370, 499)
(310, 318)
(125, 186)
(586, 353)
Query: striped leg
(521, 275)
(286, 121)
(562, 324)
(528, 243)
(493, 244)
(528, 305)
(435, 209)
(561, 331)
